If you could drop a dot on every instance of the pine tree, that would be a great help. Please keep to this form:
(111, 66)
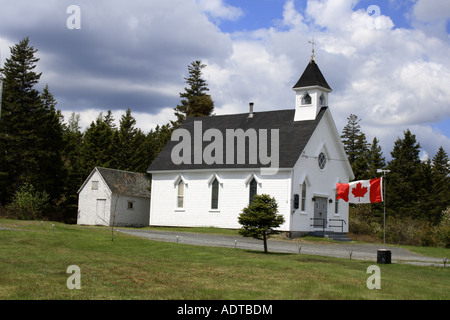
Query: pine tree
(440, 185)
(131, 154)
(73, 166)
(157, 139)
(195, 102)
(260, 219)
(404, 183)
(99, 145)
(50, 152)
(356, 146)
(375, 159)
(20, 137)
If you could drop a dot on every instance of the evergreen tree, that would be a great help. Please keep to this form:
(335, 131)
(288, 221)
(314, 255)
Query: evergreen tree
(126, 141)
(356, 146)
(50, 161)
(375, 159)
(74, 177)
(440, 185)
(157, 139)
(404, 183)
(131, 154)
(260, 219)
(20, 121)
(99, 147)
(195, 102)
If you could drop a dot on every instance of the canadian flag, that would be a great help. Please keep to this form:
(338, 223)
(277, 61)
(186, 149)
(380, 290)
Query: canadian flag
(364, 191)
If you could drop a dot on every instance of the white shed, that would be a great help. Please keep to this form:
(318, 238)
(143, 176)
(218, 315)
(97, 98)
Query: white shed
(110, 197)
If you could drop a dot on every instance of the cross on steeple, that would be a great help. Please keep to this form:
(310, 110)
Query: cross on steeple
(313, 44)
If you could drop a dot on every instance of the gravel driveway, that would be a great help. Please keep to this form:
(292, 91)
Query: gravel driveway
(339, 249)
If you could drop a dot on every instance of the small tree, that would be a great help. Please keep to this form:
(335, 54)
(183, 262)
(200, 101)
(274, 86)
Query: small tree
(28, 203)
(260, 218)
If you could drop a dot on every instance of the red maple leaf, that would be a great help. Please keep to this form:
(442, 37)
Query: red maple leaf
(359, 191)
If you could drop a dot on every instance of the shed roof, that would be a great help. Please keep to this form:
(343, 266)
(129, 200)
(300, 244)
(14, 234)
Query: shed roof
(125, 182)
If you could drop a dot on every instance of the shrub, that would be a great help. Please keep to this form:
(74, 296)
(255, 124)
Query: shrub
(443, 230)
(28, 204)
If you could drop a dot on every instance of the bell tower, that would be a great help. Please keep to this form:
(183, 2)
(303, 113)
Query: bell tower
(311, 92)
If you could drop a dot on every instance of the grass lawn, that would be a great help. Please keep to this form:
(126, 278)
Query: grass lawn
(34, 259)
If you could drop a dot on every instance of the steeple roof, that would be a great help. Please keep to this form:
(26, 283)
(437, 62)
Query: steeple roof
(312, 77)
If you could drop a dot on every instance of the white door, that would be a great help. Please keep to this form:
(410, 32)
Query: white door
(100, 213)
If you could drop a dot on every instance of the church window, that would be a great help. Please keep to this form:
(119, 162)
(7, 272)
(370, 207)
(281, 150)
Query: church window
(180, 196)
(306, 99)
(215, 195)
(304, 196)
(336, 203)
(253, 190)
(322, 160)
(322, 100)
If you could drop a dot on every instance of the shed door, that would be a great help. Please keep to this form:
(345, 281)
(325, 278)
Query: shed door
(100, 213)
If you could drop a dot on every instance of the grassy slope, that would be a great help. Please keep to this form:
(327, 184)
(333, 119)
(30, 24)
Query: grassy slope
(33, 265)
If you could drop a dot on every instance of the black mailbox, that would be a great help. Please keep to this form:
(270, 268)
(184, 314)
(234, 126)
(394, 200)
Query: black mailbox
(296, 201)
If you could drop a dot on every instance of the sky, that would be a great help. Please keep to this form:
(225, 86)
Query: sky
(387, 61)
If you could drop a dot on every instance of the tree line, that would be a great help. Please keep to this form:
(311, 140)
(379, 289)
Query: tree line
(42, 156)
(414, 188)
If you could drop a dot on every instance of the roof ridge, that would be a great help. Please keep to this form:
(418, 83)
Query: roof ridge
(119, 170)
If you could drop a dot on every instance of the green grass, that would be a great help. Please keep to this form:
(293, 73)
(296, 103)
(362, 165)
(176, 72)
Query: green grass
(33, 263)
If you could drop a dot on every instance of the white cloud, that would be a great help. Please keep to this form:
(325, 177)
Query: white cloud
(217, 9)
(432, 10)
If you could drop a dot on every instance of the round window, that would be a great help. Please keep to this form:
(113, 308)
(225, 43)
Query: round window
(322, 160)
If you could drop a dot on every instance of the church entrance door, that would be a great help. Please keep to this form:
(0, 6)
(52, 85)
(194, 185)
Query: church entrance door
(320, 212)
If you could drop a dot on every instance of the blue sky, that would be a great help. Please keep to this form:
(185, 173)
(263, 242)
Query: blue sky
(391, 69)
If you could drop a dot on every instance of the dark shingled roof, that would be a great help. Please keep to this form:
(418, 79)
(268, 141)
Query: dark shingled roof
(312, 77)
(137, 185)
(293, 137)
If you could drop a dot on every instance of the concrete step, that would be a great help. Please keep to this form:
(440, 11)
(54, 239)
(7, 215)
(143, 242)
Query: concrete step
(338, 236)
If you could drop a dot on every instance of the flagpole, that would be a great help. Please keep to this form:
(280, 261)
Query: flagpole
(384, 204)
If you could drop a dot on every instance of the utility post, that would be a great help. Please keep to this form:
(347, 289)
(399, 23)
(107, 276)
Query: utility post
(384, 255)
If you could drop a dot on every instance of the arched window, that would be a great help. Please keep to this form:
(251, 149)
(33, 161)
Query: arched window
(253, 190)
(215, 195)
(322, 100)
(336, 203)
(304, 196)
(306, 99)
(180, 195)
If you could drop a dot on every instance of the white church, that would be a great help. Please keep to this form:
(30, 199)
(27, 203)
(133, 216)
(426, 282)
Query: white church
(294, 155)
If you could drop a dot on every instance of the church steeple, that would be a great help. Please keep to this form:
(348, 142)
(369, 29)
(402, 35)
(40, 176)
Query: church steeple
(311, 92)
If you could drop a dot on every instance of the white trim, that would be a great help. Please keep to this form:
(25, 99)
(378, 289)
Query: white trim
(215, 176)
(179, 178)
(304, 178)
(312, 88)
(250, 177)
(90, 176)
